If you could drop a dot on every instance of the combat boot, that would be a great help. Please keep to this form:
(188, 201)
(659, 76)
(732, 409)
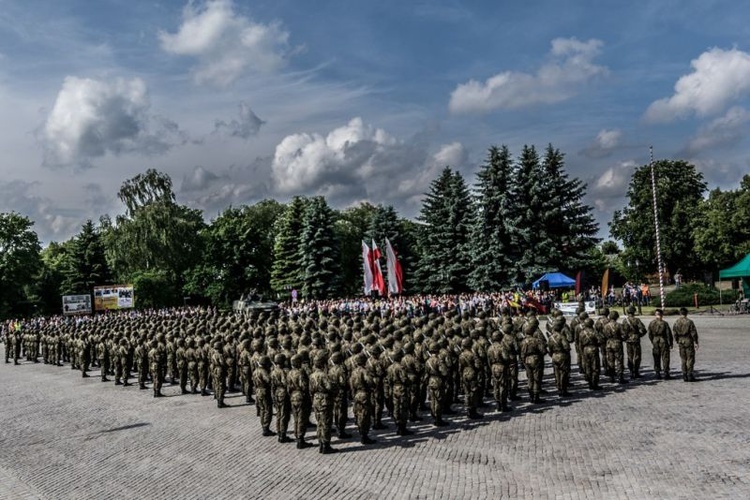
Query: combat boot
(622, 380)
(325, 449)
(505, 408)
(379, 426)
(685, 377)
(439, 422)
(268, 432)
(221, 404)
(473, 415)
(302, 444)
(403, 431)
(667, 376)
(283, 438)
(342, 434)
(366, 440)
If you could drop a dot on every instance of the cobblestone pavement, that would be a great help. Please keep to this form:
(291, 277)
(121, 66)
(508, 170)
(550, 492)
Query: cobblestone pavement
(62, 436)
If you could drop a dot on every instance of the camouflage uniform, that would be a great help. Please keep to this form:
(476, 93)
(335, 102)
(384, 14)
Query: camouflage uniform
(660, 335)
(686, 336)
(361, 385)
(321, 390)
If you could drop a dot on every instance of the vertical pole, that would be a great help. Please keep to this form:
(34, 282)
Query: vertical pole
(656, 228)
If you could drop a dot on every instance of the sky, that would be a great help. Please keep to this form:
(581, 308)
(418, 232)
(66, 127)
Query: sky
(357, 101)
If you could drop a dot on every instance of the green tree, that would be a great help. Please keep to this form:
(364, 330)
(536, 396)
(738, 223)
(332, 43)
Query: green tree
(238, 253)
(86, 262)
(447, 215)
(155, 234)
(319, 251)
(20, 262)
(490, 235)
(287, 271)
(679, 190)
(722, 234)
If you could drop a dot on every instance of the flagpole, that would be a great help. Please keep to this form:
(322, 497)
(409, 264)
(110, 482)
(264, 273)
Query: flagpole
(656, 228)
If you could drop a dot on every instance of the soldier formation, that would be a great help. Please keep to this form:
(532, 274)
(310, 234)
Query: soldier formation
(293, 364)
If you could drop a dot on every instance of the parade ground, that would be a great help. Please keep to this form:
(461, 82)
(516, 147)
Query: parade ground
(65, 437)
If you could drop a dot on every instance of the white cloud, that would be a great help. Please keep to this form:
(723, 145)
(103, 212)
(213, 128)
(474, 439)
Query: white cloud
(91, 118)
(357, 162)
(570, 66)
(726, 130)
(198, 179)
(51, 222)
(604, 144)
(248, 124)
(225, 43)
(719, 78)
(614, 180)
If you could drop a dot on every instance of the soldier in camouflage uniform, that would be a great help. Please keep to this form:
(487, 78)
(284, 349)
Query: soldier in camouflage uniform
(470, 368)
(532, 354)
(686, 336)
(590, 353)
(399, 383)
(157, 375)
(264, 394)
(660, 335)
(499, 358)
(298, 389)
(321, 390)
(437, 373)
(181, 362)
(281, 401)
(218, 369)
(634, 330)
(339, 379)
(559, 349)
(362, 386)
(615, 337)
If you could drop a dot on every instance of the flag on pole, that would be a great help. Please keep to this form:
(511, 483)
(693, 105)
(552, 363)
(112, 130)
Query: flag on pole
(605, 283)
(378, 282)
(395, 274)
(367, 267)
(579, 283)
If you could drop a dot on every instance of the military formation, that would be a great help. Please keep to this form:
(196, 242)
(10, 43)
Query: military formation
(296, 365)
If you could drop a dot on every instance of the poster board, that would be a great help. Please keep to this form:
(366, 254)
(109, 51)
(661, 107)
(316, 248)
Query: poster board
(76, 304)
(113, 297)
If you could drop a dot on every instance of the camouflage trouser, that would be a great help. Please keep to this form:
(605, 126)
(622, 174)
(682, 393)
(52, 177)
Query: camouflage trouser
(615, 358)
(400, 401)
(264, 405)
(219, 378)
(298, 410)
(534, 373)
(437, 396)
(182, 372)
(513, 375)
(472, 393)
(378, 401)
(687, 354)
(231, 376)
(362, 412)
(500, 382)
(203, 376)
(142, 373)
(118, 369)
(661, 355)
(193, 375)
(283, 406)
(634, 356)
(414, 390)
(323, 416)
(340, 410)
(157, 378)
(591, 365)
(561, 365)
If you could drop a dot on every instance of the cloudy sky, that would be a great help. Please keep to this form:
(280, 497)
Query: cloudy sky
(239, 101)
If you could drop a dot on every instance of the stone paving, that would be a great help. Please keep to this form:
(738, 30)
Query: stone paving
(64, 437)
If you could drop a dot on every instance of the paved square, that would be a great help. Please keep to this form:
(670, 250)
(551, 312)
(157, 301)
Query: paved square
(62, 436)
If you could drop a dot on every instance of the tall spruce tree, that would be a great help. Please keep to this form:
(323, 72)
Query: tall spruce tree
(287, 270)
(527, 236)
(319, 251)
(568, 223)
(87, 262)
(447, 215)
(490, 235)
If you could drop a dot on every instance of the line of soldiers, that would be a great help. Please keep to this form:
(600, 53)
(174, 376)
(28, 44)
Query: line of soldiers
(294, 365)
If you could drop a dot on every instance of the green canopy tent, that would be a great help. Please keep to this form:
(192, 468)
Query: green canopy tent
(741, 271)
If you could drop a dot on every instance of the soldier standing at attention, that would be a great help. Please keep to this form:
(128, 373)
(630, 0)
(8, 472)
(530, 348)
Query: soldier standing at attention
(141, 355)
(559, 349)
(399, 383)
(264, 394)
(218, 372)
(615, 337)
(181, 362)
(362, 388)
(191, 356)
(339, 378)
(281, 400)
(157, 375)
(686, 336)
(298, 389)
(532, 354)
(634, 330)
(203, 365)
(437, 373)
(321, 391)
(590, 353)
(470, 367)
(102, 352)
(499, 360)
(662, 341)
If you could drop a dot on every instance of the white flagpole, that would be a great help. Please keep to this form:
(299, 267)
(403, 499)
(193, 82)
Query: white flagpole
(656, 228)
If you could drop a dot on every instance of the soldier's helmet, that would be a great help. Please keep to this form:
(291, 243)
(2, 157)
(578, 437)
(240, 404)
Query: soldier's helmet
(296, 361)
(583, 315)
(337, 358)
(508, 328)
(191, 343)
(264, 361)
(360, 359)
(588, 323)
(529, 329)
(631, 310)
(154, 343)
(320, 360)
(614, 315)
(497, 336)
(466, 343)
(408, 348)
(218, 345)
(397, 355)
(180, 342)
(280, 359)
(434, 347)
(605, 311)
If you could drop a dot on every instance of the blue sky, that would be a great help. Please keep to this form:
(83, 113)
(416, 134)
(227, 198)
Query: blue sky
(239, 101)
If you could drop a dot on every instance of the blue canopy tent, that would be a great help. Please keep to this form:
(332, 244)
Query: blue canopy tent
(555, 280)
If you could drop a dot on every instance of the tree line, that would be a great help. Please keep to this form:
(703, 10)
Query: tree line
(523, 216)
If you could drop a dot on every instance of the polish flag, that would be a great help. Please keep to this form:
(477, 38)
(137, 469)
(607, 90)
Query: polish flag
(367, 267)
(395, 274)
(378, 283)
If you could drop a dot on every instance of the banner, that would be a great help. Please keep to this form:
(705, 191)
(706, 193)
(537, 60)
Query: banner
(76, 304)
(570, 308)
(113, 297)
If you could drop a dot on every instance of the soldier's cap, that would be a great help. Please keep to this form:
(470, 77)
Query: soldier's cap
(683, 311)
(659, 312)
(631, 310)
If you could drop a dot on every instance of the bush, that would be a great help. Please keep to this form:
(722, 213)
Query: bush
(683, 296)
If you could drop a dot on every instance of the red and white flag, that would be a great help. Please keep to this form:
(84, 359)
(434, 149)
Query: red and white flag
(378, 282)
(395, 274)
(367, 267)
